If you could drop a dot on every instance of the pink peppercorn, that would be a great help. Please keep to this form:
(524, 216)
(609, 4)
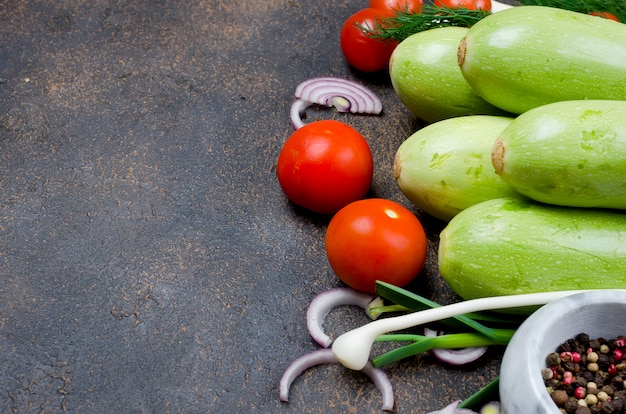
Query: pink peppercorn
(566, 356)
(576, 357)
(580, 392)
(568, 378)
(621, 342)
(612, 370)
(618, 354)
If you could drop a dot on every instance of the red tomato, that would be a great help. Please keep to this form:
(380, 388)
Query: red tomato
(360, 50)
(324, 166)
(464, 4)
(606, 15)
(375, 239)
(411, 6)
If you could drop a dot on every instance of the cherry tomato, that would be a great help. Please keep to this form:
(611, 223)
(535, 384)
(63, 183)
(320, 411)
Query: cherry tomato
(606, 15)
(363, 52)
(324, 166)
(411, 6)
(464, 4)
(375, 239)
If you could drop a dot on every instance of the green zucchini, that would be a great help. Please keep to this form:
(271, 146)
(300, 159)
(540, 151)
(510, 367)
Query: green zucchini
(511, 246)
(528, 56)
(426, 77)
(446, 167)
(570, 153)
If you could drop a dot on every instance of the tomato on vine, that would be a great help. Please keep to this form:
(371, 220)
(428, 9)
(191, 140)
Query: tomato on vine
(363, 52)
(324, 166)
(375, 239)
(410, 6)
(464, 4)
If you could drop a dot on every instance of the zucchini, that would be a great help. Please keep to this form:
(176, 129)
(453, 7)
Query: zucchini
(529, 56)
(446, 167)
(426, 77)
(511, 246)
(570, 153)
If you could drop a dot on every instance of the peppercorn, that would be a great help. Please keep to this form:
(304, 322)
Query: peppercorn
(570, 405)
(603, 360)
(607, 407)
(553, 359)
(609, 390)
(582, 338)
(547, 374)
(559, 397)
(591, 399)
(588, 376)
(580, 392)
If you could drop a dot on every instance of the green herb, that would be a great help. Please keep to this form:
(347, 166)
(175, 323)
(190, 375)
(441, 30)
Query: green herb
(404, 24)
(615, 7)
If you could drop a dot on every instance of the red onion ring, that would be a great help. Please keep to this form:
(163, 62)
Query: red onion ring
(452, 409)
(343, 94)
(326, 356)
(326, 301)
(455, 356)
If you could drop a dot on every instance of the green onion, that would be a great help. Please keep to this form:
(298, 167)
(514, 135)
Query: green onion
(416, 302)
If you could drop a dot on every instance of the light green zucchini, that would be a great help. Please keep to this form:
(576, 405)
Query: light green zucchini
(570, 153)
(446, 167)
(426, 77)
(529, 56)
(506, 247)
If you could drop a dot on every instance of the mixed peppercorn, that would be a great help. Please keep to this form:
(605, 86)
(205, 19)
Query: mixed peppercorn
(586, 376)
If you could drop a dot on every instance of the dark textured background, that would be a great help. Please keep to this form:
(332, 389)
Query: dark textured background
(149, 262)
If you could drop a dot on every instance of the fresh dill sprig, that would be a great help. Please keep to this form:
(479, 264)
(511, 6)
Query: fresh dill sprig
(404, 24)
(615, 7)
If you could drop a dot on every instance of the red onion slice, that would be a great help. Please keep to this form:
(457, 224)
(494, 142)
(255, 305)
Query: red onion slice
(297, 108)
(343, 94)
(452, 409)
(455, 356)
(326, 356)
(326, 301)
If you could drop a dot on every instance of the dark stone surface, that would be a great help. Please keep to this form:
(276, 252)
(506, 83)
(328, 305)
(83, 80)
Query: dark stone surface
(149, 262)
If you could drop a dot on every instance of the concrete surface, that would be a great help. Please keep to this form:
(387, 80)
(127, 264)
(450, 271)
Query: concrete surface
(149, 262)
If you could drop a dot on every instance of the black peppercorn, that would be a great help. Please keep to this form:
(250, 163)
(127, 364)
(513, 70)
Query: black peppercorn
(582, 338)
(607, 407)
